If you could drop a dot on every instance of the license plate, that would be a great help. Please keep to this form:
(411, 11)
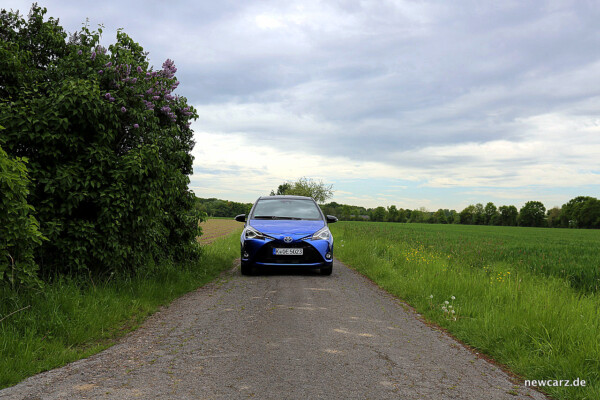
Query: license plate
(288, 252)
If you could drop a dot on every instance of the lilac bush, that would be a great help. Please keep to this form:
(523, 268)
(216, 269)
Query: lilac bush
(112, 159)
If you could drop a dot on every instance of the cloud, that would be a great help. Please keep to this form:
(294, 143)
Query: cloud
(463, 96)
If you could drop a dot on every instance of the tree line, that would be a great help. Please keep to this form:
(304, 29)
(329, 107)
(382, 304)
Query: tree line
(221, 208)
(579, 212)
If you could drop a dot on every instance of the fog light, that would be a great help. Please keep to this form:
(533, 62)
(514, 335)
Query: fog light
(246, 255)
(328, 256)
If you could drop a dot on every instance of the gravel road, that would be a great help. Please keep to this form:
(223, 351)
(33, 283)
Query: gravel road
(286, 335)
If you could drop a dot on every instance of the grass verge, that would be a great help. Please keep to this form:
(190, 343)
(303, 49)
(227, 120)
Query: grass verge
(540, 327)
(71, 320)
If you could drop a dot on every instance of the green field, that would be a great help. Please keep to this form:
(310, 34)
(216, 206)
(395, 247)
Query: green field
(527, 297)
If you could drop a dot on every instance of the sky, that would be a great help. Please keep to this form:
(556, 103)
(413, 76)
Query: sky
(433, 104)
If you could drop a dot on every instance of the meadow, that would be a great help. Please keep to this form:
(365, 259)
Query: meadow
(526, 297)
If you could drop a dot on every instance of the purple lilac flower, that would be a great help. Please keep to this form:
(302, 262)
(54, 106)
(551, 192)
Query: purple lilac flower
(80, 52)
(123, 109)
(111, 99)
(136, 126)
(155, 97)
(149, 105)
(169, 97)
(165, 109)
(101, 49)
(100, 72)
(107, 95)
(133, 80)
(169, 69)
(139, 69)
(108, 64)
(93, 56)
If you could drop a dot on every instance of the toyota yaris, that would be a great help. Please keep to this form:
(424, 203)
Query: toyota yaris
(286, 231)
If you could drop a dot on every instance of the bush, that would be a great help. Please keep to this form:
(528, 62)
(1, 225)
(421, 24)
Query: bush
(109, 146)
(19, 230)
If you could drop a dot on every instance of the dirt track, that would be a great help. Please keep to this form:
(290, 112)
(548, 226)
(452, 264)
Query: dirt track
(284, 335)
(213, 229)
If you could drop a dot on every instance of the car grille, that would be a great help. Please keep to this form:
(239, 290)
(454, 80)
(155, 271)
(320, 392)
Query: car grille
(310, 256)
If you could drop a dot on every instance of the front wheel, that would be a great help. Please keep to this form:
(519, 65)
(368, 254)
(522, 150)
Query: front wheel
(246, 269)
(326, 270)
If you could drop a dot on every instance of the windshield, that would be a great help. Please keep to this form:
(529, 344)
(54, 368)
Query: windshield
(286, 209)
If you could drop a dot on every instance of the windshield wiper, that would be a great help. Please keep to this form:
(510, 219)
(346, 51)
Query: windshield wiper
(274, 217)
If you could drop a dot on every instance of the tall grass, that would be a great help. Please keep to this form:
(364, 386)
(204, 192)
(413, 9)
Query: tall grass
(72, 319)
(539, 325)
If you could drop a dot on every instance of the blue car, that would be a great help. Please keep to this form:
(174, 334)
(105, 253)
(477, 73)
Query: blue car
(286, 231)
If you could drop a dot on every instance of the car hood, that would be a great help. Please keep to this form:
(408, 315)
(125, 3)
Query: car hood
(284, 227)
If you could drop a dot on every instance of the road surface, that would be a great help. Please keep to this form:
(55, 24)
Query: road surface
(285, 335)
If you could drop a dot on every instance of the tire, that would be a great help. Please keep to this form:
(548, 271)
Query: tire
(246, 269)
(326, 270)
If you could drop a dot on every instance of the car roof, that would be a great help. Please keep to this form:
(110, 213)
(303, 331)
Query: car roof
(284, 197)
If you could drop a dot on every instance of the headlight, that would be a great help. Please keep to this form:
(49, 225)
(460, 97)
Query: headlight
(322, 234)
(252, 233)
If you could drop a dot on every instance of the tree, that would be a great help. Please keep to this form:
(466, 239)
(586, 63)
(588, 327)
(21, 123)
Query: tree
(439, 217)
(508, 215)
(491, 214)
(467, 216)
(589, 213)
(306, 187)
(379, 214)
(109, 146)
(579, 212)
(479, 214)
(532, 214)
(393, 213)
(553, 217)
(284, 188)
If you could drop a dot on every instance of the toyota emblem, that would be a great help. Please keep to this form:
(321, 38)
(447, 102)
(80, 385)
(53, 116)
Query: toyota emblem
(288, 239)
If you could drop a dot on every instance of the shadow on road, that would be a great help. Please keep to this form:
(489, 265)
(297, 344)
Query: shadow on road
(286, 271)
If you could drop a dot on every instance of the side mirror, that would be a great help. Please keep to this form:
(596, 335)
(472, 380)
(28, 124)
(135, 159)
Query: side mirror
(331, 219)
(240, 218)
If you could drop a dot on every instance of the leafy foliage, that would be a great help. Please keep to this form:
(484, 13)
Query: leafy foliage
(319, 191)
(221, 208)
(19, 230)
(532, 214)
(109, 146)
(581, 212)
(508, 215)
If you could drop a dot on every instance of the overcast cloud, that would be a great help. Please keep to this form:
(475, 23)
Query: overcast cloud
(414, 103)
